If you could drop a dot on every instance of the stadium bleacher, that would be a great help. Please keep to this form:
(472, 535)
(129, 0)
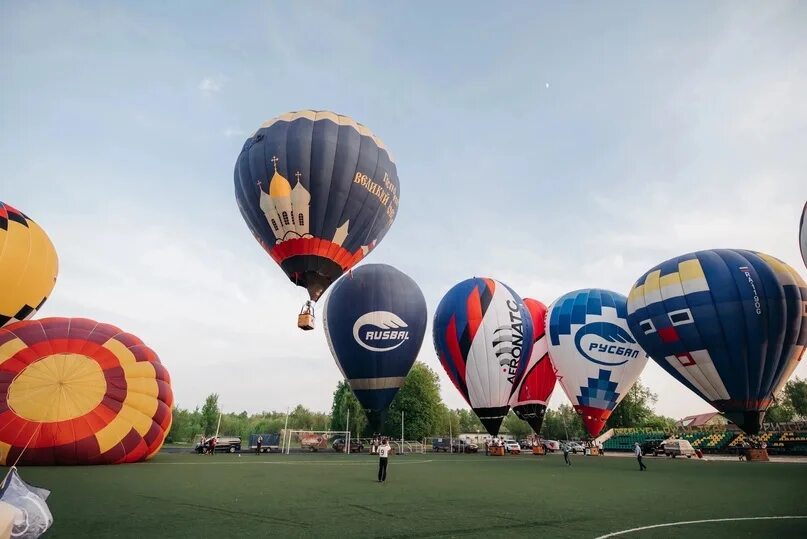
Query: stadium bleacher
(713, 441)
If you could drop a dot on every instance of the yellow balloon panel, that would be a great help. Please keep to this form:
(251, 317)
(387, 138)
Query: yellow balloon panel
(28, 266)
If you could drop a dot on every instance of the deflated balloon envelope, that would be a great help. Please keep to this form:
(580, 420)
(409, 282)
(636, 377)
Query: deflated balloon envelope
(596, 357)
(318, 191)
(729, 324)
(76, 391)
(529, 401)
(375, 320)
(28, 266)
(483, 337)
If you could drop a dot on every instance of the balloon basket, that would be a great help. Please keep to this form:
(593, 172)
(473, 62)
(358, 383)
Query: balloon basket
(538, 450)
(592, 451)
(755, 454)
(497, 451)
(305, 320)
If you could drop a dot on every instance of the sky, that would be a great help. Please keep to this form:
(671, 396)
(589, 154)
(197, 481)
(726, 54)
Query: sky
(552, 146)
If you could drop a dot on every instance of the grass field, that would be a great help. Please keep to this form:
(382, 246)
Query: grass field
(329, 495)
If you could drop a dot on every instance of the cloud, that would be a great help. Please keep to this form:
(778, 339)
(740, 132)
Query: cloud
(233, 132)
(212, 85)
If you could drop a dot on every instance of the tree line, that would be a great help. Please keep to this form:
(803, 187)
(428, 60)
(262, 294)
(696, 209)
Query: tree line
(425, 414)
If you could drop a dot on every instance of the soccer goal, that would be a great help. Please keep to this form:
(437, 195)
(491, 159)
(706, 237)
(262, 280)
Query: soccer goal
(315, 440)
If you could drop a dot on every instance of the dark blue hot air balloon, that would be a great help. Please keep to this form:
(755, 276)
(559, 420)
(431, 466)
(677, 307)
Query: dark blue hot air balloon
(729, 324)
(318, 190)
(375, 319)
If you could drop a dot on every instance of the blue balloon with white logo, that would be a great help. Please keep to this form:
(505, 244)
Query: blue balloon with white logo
(594, 353)
(375, 320)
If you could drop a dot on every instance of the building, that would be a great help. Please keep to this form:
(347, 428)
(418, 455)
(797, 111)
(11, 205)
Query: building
(711, 419)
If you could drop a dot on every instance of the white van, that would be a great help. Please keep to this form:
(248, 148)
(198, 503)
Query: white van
(675, 447)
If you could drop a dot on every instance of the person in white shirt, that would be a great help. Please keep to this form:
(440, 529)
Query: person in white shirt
(638, 452)
(383, 454)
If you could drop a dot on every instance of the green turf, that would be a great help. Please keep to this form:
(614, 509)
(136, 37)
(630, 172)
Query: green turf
(328, 495)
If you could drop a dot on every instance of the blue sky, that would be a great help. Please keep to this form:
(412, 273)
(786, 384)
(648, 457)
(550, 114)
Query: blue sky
(551, 146)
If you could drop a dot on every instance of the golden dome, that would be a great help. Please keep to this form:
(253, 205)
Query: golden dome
(279, 186)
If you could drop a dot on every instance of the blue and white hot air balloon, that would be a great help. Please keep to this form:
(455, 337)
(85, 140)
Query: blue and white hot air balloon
(729, 324)
(596, 358)
(375, 320)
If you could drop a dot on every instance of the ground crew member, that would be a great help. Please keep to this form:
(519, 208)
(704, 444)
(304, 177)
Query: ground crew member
(383, 454)
(638, 452)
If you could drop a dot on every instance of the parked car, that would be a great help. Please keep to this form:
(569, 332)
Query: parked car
(576, 447)
(550, 446)
(462, 446)
(525, 444)
(653, 447)
(224, 444)
(355, 445)
(440, 444)
(511, 446)
(676, 447)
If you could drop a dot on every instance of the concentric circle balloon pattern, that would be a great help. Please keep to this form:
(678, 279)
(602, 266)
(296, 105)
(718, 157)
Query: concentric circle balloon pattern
(75, 391)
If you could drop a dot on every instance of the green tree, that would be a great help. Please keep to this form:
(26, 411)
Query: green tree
(563, 424)
(635, 409)
(419, 400)
(516, 426)
(469, 422)
(345, 401)
(796, 396)
(210, 414)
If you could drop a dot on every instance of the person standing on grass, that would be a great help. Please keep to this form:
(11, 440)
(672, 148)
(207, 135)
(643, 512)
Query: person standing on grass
(383, 454)
(212, 445)
(260, 443)
(637, 450)
(566, 454)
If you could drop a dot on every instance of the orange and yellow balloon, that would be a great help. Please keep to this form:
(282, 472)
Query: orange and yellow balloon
(28, 266)
(76, 391)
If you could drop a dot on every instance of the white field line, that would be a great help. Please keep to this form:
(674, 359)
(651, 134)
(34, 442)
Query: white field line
(247, 462)
(687, 522)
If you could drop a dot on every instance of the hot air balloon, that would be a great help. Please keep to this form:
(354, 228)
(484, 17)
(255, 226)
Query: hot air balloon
(729, 324)
(75, 391)
(318, 191)
(375, 320)
(483, 337)
(803, 234)
(596, 358)
(28, 266)
(529, 401)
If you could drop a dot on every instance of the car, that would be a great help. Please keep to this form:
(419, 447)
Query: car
(550, 446)
(576, 447)
(462, 446)
(511, 446)
(355, 445)
(440, 444)
(525, 444)
(654, 446)
(676, 447)
(224, 444)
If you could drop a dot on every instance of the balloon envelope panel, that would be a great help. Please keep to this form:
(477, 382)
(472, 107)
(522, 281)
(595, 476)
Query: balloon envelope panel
(318, 191)
(28, 266)
(803, 234)
(483, 337)
(375, 321)
(596, 357)
(529, 401)
(75, 391)
(729, 324)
